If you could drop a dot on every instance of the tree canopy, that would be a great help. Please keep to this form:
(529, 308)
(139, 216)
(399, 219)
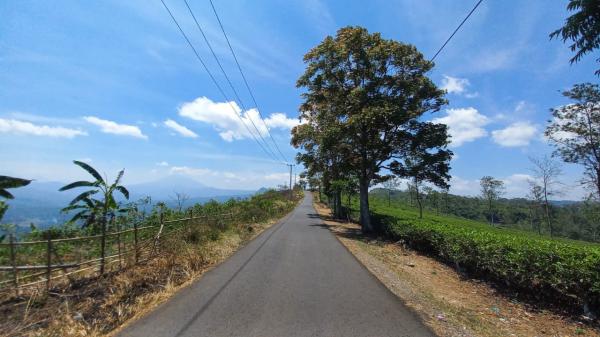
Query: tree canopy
(582, 29)
(575, 131)
(362, 108)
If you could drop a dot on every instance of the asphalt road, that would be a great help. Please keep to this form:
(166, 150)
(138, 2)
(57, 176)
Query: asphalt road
(295, 279)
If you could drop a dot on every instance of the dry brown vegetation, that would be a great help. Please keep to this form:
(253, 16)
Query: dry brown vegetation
(446, 301)
(97, 306)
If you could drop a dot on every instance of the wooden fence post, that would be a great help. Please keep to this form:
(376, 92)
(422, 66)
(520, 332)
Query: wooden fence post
(102, 246)
(157, 237)
(118, 227)
(13, 262)
(48, 262)
(135, 242)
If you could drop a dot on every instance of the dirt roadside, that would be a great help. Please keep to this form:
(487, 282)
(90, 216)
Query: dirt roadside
(450, 304)
(103, 306)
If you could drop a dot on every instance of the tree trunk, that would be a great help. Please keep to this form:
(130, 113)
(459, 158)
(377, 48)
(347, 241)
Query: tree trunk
(103, 244)
(548, 221)
(547, 206)
(365, 217)
(491, 214)
(337, 201)
(418, 197)
(531, 217)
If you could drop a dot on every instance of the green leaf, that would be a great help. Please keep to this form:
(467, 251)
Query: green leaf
(119, 176)
(10, 182)
(123, 191)
(77, 216)
(90, 204)
(82, 196)
(89, 169)
(111, 203)
(3, 208)
(72, 207)
(77, 184)
(6, 194)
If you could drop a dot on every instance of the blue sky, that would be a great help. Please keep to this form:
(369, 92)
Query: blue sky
(113, 83)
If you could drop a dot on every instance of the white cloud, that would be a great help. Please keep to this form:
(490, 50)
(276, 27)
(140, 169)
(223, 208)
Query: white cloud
(281, 121)
(455, 85)
(191, 171)
(225, 118)
(180, 129)
(162, 163)
(563, 135)
(211, 177)
(462, 186)
(107, 126)
(516, 134)
(516, 185)
(278, 177)
(465, 125)
(245, 179)
(26, 128)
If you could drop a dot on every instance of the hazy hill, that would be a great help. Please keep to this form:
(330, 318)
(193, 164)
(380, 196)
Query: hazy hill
(40, 202)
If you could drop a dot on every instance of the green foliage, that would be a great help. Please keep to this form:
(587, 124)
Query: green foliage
(558, 270)
(581, 28)
(575, 131)
(362, 106)
(491, 190)
(95, 211)
(11, 182)
(576, 220)
(7, 183)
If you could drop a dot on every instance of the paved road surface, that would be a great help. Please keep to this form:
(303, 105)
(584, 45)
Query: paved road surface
(295, 279)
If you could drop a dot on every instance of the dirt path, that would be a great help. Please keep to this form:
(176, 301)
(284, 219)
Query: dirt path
(449, 304)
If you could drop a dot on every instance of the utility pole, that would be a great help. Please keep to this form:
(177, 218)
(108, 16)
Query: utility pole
(291, 191)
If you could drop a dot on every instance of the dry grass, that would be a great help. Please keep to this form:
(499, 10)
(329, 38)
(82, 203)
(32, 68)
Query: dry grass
(100, 306)
(450, 304)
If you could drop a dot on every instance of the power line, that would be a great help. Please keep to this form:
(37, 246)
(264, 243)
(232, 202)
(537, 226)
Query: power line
(456, 30)
(244, 78)
(213, 78)
(235, 93)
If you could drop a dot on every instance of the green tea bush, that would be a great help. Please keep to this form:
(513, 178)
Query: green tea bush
(560, 271)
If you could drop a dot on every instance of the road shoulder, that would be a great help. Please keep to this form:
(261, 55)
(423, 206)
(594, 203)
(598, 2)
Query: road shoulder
(447, 302)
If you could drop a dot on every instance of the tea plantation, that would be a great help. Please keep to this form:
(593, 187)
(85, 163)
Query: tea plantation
(559, 271)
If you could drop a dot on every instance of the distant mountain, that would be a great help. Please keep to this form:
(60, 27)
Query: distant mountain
(165, 189)
(40, 202)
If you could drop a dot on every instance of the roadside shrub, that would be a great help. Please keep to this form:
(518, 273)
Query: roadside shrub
(558, 271)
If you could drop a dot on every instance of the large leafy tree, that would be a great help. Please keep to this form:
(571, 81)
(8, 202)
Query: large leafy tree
(582, 28)
(96, 205)
(369, 90)
(575, 131)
